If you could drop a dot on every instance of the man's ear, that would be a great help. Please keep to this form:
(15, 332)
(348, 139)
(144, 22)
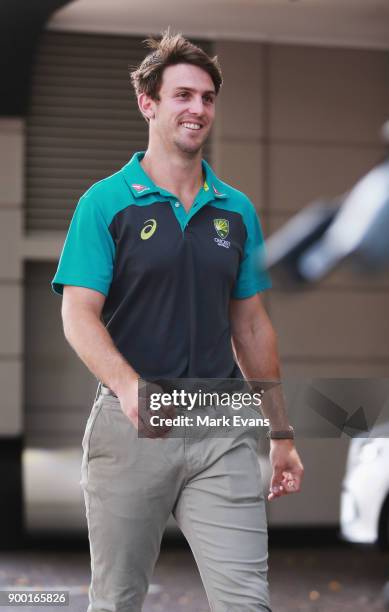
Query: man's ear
(146, 106)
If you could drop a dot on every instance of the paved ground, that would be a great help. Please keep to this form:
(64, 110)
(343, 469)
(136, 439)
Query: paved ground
(317, 579)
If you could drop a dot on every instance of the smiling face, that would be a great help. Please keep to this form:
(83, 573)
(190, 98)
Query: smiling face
(184, 114)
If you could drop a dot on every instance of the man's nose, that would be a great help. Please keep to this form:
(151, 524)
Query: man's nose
(196, 105)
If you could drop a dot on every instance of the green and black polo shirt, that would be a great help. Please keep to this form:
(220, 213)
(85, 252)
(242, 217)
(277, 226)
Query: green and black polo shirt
(167, 274)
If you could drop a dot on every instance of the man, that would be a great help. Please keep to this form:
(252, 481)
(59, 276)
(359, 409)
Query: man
(158, 273)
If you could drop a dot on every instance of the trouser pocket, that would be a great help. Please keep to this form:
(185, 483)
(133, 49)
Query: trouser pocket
(96, 408)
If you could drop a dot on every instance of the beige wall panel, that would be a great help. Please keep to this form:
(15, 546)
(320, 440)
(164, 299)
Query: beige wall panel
(43, 246)
(240, 105)
(10, 241)
(299, 174)
(241, 165)
(10, 319)
(335, 369)
(318, 502)
(329, 95)
(11, 161)
(11, 421)
(325, 323)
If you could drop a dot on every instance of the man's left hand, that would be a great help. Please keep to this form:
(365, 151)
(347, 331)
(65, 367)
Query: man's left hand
(287, 469)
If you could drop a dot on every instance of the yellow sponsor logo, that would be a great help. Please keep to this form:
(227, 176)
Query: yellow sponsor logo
(149, 228)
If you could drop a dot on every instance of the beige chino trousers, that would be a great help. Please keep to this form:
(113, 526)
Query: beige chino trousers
(211, 484)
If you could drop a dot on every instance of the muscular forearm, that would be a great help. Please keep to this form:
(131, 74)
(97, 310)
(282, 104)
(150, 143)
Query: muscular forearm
(257, 355)
(88, 336)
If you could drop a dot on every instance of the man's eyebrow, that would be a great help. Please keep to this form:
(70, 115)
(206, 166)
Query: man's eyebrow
(182, 87)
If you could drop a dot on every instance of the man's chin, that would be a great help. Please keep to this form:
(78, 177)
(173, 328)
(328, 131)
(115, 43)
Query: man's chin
(189, 148)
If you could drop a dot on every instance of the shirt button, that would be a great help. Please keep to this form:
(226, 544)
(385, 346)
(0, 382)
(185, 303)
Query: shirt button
(177, 204)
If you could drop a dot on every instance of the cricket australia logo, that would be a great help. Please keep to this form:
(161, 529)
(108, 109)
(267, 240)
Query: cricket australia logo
(222, 228)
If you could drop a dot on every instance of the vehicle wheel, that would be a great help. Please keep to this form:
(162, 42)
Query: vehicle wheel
(385, 595)
(383, 527)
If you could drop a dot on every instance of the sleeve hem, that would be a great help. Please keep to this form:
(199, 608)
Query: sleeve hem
(58, 285)
(250, 291)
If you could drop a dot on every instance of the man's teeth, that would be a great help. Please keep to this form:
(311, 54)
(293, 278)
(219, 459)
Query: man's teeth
(192, 126)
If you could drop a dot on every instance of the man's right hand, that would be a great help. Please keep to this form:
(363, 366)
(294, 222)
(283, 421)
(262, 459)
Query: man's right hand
(135, 407)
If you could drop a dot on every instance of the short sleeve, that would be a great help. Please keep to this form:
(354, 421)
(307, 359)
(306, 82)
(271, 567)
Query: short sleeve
(88, 253)
(252, 277)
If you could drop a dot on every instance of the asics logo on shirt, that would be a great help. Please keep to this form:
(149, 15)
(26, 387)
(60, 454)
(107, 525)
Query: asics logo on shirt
(149, 228)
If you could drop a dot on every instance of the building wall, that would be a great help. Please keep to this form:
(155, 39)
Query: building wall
(293, 123)
(297, 123)
(11, 329)
(11, 275)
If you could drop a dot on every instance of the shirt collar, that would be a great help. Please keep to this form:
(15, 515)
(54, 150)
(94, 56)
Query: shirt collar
(136, 178)
(212, 185)
(141, 184)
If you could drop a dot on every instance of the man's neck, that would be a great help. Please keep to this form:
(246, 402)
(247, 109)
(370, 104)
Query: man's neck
(178, 174)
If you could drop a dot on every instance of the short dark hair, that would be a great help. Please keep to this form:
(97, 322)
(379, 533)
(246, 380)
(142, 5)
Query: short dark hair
(171, 49)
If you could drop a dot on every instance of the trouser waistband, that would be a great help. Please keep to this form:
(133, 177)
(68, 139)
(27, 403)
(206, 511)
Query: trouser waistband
(106, 391)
